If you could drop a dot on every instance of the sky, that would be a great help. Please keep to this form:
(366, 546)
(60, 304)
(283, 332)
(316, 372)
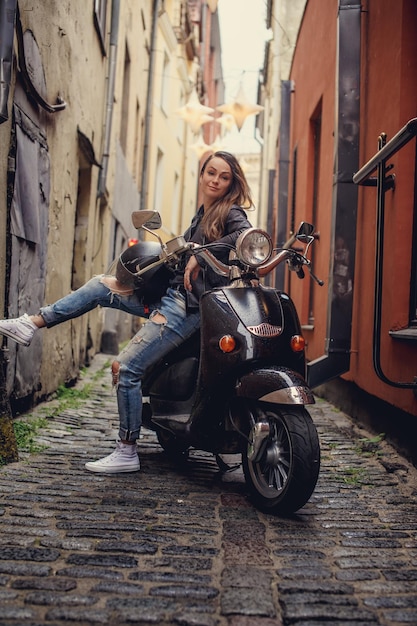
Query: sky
(243, 34)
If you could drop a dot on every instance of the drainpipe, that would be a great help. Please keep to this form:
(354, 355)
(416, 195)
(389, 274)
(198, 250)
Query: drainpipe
(283, 162)
(336, 360)
(7, 19)
(114, 33)
(149, 103)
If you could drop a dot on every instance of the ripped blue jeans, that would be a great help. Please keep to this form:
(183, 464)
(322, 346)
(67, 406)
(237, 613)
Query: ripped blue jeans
(94, 293)
(168, 326)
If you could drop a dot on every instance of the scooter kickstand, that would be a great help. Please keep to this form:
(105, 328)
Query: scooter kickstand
(224, 467)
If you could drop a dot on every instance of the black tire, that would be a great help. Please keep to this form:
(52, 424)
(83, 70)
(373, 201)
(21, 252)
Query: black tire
(284, 473)
(175, 448)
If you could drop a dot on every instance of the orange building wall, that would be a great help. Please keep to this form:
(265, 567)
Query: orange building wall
(388, 101)
(313, 74)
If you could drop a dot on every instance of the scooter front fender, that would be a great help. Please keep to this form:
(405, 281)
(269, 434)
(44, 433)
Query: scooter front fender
(276, 385)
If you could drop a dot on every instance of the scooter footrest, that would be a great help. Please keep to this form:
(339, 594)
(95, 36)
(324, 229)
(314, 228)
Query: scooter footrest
(160, 419)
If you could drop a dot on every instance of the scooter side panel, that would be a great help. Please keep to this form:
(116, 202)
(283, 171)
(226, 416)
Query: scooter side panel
(171, 383)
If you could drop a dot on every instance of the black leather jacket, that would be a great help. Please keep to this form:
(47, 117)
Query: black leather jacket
(207, 278)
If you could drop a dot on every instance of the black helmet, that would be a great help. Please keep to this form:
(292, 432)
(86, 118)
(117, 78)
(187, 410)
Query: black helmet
(152, 284)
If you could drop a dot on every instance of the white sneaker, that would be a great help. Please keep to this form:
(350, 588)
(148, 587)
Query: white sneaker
(20, 329)
(123, 459)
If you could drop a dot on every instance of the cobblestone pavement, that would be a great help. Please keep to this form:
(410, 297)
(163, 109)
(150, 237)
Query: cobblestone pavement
(184, 546)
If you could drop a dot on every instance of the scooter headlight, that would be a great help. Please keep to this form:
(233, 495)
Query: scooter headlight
(254, 247)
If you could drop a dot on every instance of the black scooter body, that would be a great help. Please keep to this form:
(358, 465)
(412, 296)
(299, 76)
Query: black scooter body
(248, 397)
(196, 391)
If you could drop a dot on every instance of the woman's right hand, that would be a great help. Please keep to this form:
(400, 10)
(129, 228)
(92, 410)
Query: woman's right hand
(191, 272)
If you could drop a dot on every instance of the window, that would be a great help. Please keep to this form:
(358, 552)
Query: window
(79, 267)
(165, 84)
(180, 120)
(175, 210)
(138, 148)
(124, 122)
(159, 186)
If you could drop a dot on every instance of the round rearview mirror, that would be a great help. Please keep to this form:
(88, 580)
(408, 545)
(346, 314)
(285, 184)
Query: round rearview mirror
(149, 219)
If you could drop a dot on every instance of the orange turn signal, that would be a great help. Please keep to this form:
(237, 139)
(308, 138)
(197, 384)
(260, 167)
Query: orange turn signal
(297, 343)
(227, 343)
(132, 242)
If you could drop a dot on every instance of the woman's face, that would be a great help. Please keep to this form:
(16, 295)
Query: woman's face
(215, 181)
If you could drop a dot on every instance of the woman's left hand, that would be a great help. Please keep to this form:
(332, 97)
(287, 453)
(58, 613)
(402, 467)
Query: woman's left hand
(191, 272)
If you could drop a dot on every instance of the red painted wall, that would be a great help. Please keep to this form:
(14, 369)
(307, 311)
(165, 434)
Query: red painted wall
(313, 75)
(388, 102)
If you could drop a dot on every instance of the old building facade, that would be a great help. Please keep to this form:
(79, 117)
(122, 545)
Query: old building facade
(90, 133)
(350, 89)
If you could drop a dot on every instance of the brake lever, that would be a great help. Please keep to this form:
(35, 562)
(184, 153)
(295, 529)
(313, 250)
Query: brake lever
(314, 277)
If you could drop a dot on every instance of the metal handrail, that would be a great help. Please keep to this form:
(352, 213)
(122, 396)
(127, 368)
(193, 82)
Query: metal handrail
(396, 143)
(383, 184)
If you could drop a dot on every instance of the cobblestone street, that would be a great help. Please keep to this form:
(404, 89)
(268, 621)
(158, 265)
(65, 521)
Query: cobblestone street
(184, 546)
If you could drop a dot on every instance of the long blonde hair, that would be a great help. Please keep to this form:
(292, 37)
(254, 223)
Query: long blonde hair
(238, 194)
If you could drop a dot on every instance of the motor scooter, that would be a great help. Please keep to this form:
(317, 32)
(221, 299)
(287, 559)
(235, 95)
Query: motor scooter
(237, 386)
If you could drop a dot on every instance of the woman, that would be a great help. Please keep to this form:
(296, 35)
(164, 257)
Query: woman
(224, 191)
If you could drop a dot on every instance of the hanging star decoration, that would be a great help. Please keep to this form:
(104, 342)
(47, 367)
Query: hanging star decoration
(217, 144)
(200, 147)
(227, 121)
(246, 167)
(240, 108)
(194, 113)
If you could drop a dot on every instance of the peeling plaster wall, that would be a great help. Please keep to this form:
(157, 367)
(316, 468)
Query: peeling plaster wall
(76, 68)
(82, 226)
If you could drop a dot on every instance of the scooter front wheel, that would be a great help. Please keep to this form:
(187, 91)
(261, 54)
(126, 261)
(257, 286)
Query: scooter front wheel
(282, 472)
